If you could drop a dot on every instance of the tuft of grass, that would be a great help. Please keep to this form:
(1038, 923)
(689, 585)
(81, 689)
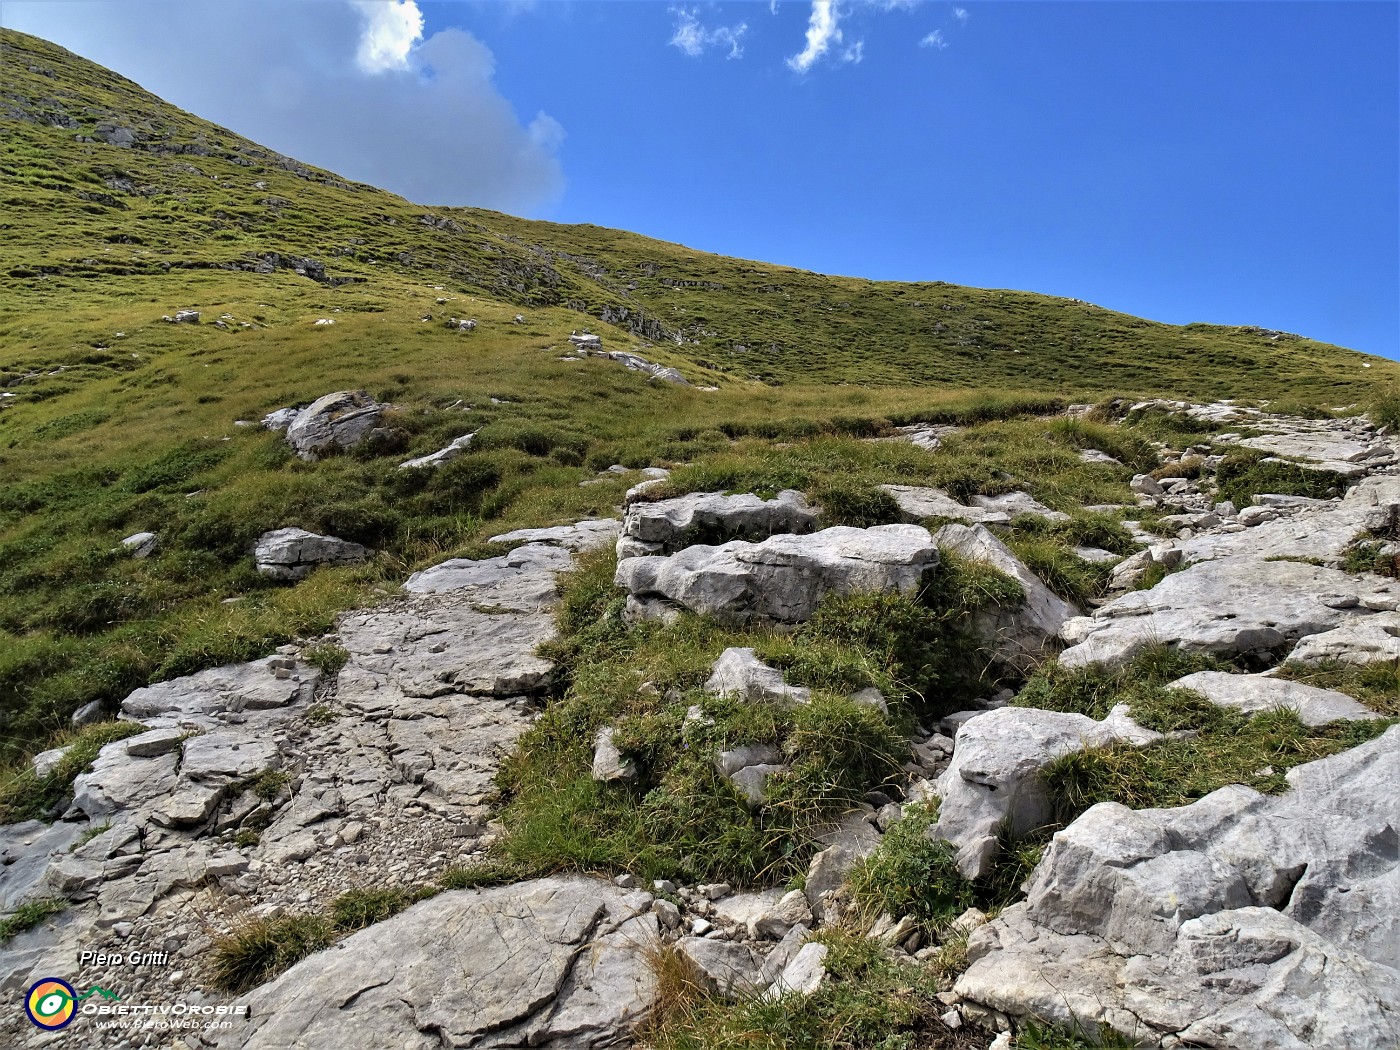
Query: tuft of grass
(268, 784)
(1385, 412)
(911, 874)
(258, 951)
(28, 915)
(1243, 475)
(328, 657)
(1228, 748)
(867, 1002)
(1036, 1036)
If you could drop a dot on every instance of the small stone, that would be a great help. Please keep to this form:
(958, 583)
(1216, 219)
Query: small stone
(666, 913)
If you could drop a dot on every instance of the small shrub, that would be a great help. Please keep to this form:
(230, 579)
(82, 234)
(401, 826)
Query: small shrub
(268, 784)
(911, 874)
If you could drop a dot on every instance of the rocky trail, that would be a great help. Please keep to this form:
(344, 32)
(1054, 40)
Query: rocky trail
(1242, 920)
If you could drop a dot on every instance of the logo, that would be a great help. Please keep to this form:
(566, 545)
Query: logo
(51, 1003)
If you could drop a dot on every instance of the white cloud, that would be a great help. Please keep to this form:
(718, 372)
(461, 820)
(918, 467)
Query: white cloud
(960, 13)
(693, 38)
(293, 76)
(391, 30)
(934, 39)
(823, 30)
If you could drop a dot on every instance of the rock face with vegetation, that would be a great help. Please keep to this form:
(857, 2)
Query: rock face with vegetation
(549, 684)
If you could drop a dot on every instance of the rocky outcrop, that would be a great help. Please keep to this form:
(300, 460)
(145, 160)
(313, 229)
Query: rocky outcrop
(1237, 606)
(292, 554)
(1021, 635)
(336, 421)
(1375, 639)
(1240, 921)
(782, 579)
(379, 777)
(549, 963)
(994, 786)
(667, 526)
(1252, 693)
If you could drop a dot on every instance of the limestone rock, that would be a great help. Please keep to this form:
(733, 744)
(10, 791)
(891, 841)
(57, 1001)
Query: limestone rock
(233, 688)
(1016, 636)
(45, 762)
(1254, 693)
(581, 536)
(522, 579)
(608, 762)
(292, 554)
(791, 910)
(226, 756)
(336, 421)
(551, 962)
(141, 544)
(993, 783)
(1241, 921)
(447, 454)
(917, 503)
(803, 975)
(1232, 606)
(1018, 505)
(1375, 639)
(781, 579)
(667, 526)
(739, 672)
(25, 852)
(726, 968)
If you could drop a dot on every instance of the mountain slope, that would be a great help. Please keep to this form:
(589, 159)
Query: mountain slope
(177, 194)
(117, 209)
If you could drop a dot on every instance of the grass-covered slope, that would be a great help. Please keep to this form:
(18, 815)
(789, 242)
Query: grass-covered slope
(116, 209)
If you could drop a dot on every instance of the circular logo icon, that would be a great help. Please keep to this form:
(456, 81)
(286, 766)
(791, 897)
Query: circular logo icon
(50, 1003)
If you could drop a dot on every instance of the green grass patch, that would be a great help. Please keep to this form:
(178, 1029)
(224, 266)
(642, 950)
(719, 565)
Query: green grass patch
(1244, 475)
(28, 915)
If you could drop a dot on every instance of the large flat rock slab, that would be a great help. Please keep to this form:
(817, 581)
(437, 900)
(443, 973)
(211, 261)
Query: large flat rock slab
(1241, 921)
(509, 966)
(782, 579)
(1375, 639)
(1233, 606)
(522, 580)
(1254, 693)
(232, 689)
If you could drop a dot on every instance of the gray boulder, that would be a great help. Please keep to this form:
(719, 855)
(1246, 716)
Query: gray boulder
(141, 544)
(292, 554)
(1241, 921)
(724, 967)
(667, 526)
(548, 963)
(739, 672)
(993, 784)
(336, 421)
(1252, 693)
(781, 579)
(1018, 636)
(1018, 505)
(1375, 639)
(608, 762)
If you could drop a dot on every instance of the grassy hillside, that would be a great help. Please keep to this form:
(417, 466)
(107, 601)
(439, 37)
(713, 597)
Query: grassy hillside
(116, 209)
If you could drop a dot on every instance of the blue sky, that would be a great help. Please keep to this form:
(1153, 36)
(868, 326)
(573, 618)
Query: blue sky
(1236, 163)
